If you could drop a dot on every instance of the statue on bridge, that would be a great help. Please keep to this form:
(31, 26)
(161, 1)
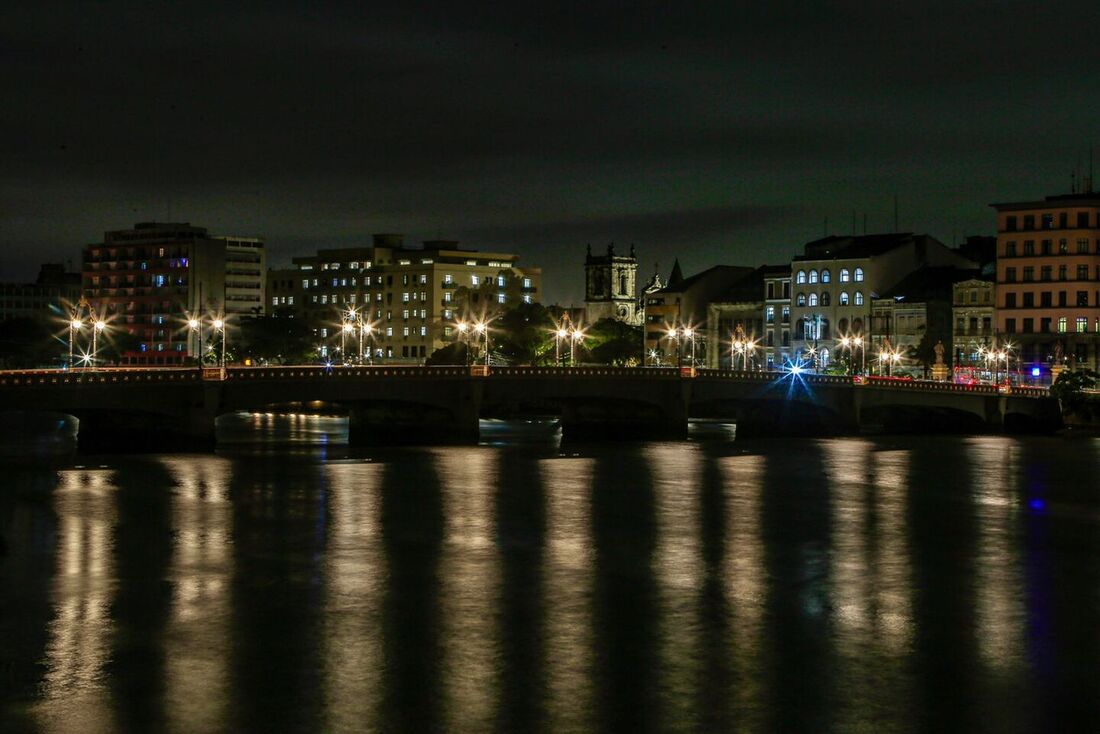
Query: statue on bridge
(938, 349)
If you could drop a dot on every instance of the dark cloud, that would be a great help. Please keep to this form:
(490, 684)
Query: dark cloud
(719, 131)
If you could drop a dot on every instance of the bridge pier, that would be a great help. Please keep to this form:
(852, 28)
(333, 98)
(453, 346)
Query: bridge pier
(664, 415)
(450, 418)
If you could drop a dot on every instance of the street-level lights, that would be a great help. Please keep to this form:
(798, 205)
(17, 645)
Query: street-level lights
(464, 337)
(75, 325)
(219, 325)
(674, 336)
(98, 325)
(367, 330)
(482, 330)
(559, 335)
(346, 329)
(575, 337)
(689, 334)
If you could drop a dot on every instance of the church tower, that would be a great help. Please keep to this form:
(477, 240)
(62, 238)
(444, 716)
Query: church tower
(610, 289)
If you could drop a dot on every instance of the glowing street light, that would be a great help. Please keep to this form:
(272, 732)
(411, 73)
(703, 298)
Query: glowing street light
(346, 329)
(367, 330)
(98, 325)
(75, 325)
(575, 337)
(219, 325)
(559, 335)
(689, 333)
(481, 329)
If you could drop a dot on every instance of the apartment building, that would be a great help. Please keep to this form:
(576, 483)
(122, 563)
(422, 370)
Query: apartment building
(1048, 279)
(413, 297)
(149, 280)
(51, 296)
(973, 312)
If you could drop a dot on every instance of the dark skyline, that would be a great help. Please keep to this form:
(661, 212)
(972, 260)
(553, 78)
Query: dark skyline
(724, 134)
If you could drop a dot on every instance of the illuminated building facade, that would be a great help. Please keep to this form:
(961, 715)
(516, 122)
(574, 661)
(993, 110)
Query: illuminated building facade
(412, 297)
(1048, 279)
(150, 279)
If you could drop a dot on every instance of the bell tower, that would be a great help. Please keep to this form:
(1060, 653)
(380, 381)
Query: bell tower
(610, 286)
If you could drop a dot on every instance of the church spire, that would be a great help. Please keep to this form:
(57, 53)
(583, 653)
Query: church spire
(676, 275)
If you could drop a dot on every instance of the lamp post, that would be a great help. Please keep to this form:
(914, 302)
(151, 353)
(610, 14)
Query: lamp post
(576, 336)
(219, 325)
(75, 325)
(97, 326)
(689, 333)
(674, 336)
(463, 332)
(193, 326)
(346, 329)
(482, 330)
(367, 330)
(560, 334)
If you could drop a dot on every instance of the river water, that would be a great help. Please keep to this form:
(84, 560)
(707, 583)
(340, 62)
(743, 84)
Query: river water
(832, 585)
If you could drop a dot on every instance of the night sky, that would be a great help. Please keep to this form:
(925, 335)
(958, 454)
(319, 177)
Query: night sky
(721, 134)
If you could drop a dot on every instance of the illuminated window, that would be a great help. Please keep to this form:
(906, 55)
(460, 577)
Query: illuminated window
(474, 280)
(813, 299)
(843, 297)
(801, 300)
(1082, 324)
(826, 276)
(813, 276)
(801, 278)
(500, 298)
(1062, 325)
(859, 298)
(859, 275)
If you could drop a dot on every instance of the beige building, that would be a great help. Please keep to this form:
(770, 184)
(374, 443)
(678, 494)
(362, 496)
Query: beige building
(835, 281)
(973, 316)
(1048, 279)
(412, 297)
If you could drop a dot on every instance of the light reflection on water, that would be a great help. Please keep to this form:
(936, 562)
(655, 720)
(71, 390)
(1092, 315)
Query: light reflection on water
(828, 585)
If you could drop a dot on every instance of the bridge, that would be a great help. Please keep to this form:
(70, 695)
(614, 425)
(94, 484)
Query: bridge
(166, 408)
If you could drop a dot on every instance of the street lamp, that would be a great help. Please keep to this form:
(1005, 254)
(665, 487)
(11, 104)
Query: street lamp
(75, 325)
(674, 336)
(482, 330)
(560, 334)
(858, 341)
(576, 336)
(368, 330)
(219, 325)
(689, 333)
(346, 329)
(97, 326)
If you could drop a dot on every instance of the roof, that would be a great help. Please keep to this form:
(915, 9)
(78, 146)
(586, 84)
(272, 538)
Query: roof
(929, 283)
(847, 247)
(676, 276)
(718, 271)
(1089, 198)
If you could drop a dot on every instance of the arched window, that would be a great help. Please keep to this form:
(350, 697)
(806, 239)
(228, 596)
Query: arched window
(825, 299)
(859, 298)
(801, 276)
(859, 275)
(844, 276)
(842, 325)
(813, 276)
(813, 299)
(622, 284)
(844, 298)
(826, 276)
(801, 299)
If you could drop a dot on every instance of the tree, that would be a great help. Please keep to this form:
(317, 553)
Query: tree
(28, 342)
(275, 339)
(610, 341)
(455, 353)
(524, 335)
(1071, 388)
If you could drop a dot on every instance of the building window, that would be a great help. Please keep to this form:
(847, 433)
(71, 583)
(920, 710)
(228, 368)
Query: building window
(1010, 326)
(844, 275)
(526, 297)
(1029, 300)
(786, 312)
(1063, 246)
(423, 331)
(1010, 300)
(1029, 274)
(801, 300)
(769, 315)
(1083, 298)
(801, 278)
(1010, 275)
(1082, 246)
(526, 282)
(813, 299)
(474, 280)
(1062, 325)
(1062, 274)
(1082, 272)
(859, 298)
(448, 279)
(813, 276)
(859, 275)
(826, 276)
(500, 298)
(1029, 248)
(423, 279)
(825, 299)
(1010, 224)
(1082, 324)
(1044, 272)
(843, 298)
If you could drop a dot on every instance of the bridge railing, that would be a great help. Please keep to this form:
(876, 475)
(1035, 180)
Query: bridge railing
(54, 378)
